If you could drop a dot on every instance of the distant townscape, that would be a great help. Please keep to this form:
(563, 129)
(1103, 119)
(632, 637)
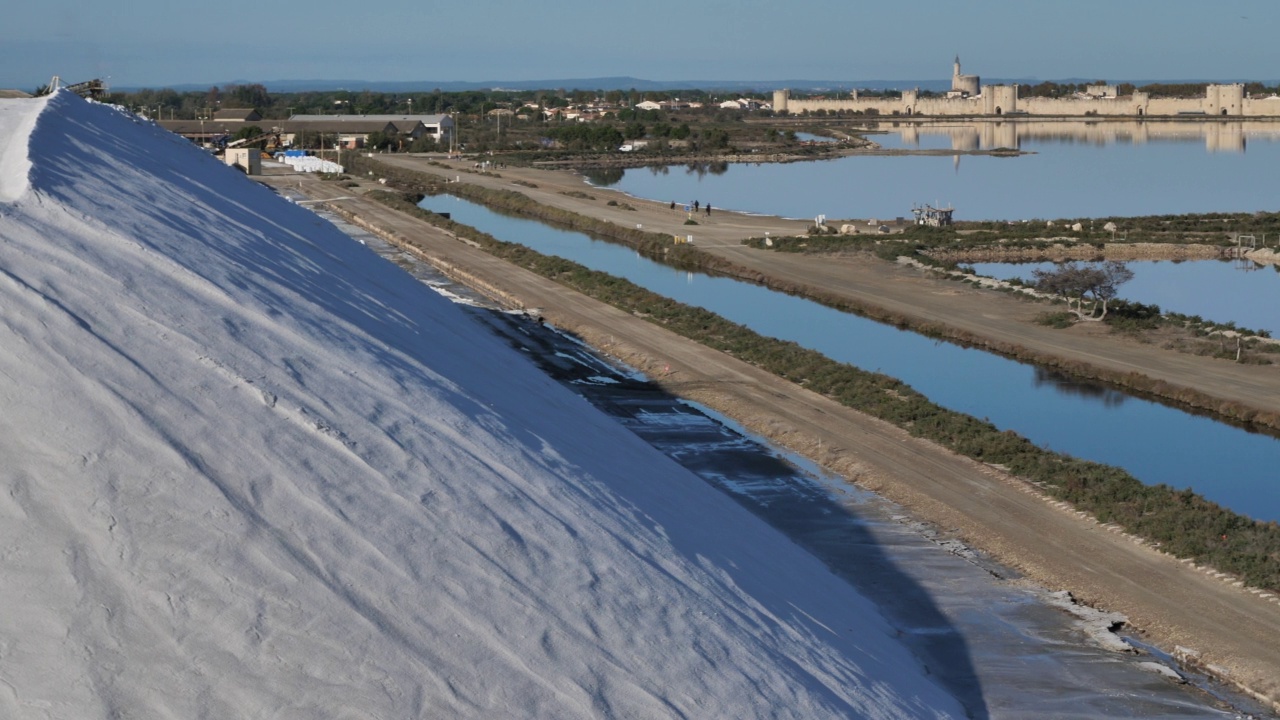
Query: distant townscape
(968, 96)
(635, 127)
(349, 131)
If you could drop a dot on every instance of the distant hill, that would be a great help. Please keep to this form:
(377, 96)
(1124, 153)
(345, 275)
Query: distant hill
(602, 83)
(631, 83)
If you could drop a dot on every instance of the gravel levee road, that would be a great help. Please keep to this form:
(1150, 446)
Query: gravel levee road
(1169, 602)
(903, 290)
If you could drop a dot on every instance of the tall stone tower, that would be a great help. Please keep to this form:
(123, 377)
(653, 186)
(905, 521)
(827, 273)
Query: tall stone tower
(964, 84)
(780, 98)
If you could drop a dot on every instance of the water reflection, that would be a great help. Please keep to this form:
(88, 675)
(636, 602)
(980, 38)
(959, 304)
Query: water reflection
(604, 177)
(1216, 136)
(1227, 465)
(1222, 291)
(1109, 397)
(702, 169)
(1075, 169)
(990, 647)
(607, 177)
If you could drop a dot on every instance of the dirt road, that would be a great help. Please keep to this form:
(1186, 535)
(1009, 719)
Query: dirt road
(914, 293)
(1169, 602)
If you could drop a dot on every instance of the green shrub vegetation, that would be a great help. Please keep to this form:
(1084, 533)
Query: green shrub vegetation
(1210, 229)
(689, 257)
(1128, 315)
(1178, 521)
(1058, 320)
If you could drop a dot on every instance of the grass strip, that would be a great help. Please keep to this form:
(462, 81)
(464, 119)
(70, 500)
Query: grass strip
(1179, 522)
(690, 257)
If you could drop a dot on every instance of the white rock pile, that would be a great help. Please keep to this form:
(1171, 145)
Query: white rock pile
(310, 163)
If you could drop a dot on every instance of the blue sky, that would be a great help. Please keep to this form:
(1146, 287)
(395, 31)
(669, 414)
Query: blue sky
(163, 42)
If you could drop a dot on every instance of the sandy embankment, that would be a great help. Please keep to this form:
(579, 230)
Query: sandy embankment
(1267, 256)
(977, 316)
(1171, 603)
(1068, 249)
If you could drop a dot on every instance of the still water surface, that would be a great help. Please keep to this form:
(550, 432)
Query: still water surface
(1077, 170)
(990, 645)
(1223, 291)
(1155, 443)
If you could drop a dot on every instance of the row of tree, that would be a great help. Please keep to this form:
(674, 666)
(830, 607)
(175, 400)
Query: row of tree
(1197, 89)
(607, 136)
(169, 103)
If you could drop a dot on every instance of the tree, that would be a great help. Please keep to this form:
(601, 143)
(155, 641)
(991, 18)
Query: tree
(1106, 283)
(425, 143)
(1074, 283)
(248, 96)
(715, 138)
(251, 131)
(379, 141)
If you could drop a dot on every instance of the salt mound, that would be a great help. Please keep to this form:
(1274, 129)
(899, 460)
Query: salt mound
(310, 163)
(17, 120)
(253, 470)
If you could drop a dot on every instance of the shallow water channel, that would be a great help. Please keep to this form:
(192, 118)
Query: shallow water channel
(1072, 170)
(1155, 443)
(1005, 650)
(1238, 291)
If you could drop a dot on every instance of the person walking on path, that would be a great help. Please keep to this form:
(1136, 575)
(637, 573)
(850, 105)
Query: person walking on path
(695, 206)
(708, 209)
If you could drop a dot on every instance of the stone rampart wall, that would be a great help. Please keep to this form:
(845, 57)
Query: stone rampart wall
(1219, 101)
